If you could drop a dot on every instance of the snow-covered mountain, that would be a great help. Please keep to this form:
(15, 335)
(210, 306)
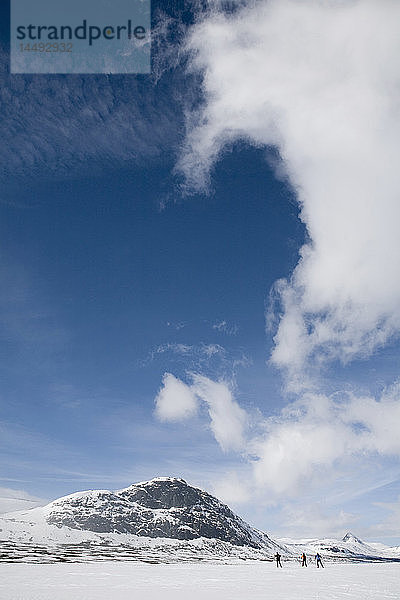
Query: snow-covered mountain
(167, 510)
(349, 547)
(161, 520)
(163, 507)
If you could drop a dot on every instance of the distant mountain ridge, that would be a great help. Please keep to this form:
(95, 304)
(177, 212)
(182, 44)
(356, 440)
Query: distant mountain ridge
(350, 547)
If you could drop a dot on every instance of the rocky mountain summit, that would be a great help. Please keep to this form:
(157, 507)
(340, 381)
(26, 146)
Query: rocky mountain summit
(163, 507)
(350, 537)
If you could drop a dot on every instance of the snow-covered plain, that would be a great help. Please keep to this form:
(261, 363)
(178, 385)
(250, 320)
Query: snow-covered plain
(255, 580)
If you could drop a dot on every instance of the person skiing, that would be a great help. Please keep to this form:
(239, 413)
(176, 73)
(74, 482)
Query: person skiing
(319, 561)
(278, 560)
(303, 560)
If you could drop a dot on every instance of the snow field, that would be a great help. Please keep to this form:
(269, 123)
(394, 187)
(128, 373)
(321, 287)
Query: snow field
(255, 581)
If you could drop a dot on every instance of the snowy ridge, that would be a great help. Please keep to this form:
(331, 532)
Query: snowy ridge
(383, 550)
(349, 548)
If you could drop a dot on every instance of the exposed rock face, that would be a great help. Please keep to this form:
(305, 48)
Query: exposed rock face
(350, 537)
(162, 507)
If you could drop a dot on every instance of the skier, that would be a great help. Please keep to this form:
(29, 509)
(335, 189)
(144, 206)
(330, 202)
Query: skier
(303, 560)
(278, 560)
(319, 561)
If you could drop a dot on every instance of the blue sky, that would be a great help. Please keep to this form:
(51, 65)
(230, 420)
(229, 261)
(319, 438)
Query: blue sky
(145, 221)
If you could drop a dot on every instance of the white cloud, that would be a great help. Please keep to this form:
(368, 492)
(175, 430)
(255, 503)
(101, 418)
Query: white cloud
(228, 419)
(319, 80)
(175, 401)
(316, 435)
(309, 443)
(297, 446)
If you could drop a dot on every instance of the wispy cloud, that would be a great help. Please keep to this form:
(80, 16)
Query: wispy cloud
(13, 499)
(315, 518)
(177, 326)
(390, 525)
(59, 126)
(210, 358)
(224, 327)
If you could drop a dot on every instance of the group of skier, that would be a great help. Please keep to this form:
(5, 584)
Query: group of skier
(303, 559)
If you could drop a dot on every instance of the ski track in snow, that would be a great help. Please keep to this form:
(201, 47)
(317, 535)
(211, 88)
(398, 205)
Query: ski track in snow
(258, 580)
